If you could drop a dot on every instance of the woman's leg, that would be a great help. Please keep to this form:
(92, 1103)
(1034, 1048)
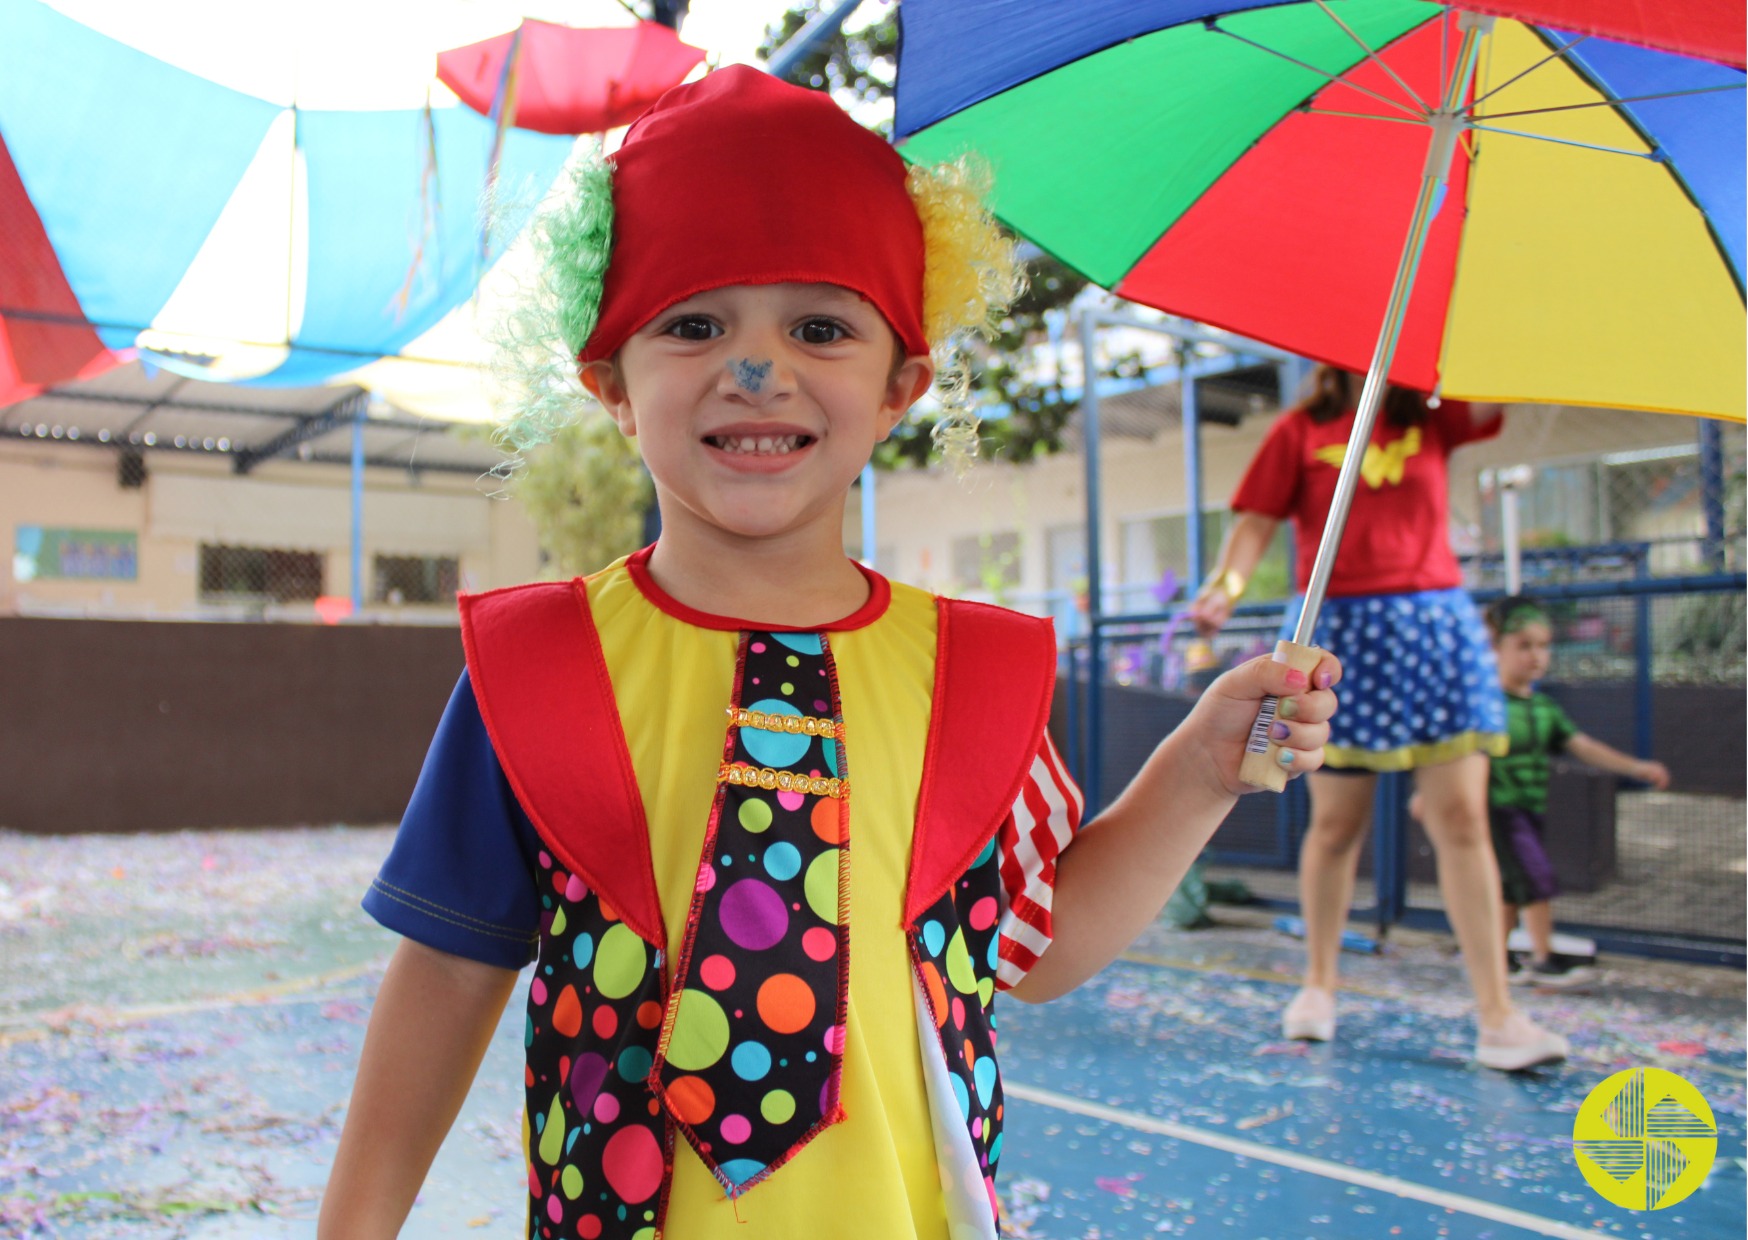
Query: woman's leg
(1454, 800)
(1341, 810)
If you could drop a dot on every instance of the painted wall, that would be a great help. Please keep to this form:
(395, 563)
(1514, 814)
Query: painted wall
(189, 501)
(920, 514)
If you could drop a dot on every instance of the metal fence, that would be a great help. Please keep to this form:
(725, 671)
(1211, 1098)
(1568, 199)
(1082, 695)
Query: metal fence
(1652, 666)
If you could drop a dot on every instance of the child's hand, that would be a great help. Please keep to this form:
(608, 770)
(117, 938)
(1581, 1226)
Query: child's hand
(1222, 720)
(1416, 806)
(1653, 773)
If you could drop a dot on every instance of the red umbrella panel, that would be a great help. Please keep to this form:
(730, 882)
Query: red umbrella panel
(1316, 274)
(565, 80)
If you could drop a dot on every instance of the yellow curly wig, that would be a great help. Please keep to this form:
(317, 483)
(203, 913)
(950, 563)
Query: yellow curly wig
(971, 276)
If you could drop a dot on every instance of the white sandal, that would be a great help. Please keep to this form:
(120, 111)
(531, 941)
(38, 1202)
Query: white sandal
(1310, 1017)
(1518, 1044)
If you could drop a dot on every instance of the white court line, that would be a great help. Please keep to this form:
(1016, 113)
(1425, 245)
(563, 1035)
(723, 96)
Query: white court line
(1299, 1162)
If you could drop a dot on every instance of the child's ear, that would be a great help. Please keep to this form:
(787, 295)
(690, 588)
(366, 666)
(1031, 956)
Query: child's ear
(910, 379)
(603, 381)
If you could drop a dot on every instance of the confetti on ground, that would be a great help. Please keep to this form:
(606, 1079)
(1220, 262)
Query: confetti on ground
(180, 1017)
(1396, 1095)
(1687, 1050)
(1267, 1117)
(177, 1043)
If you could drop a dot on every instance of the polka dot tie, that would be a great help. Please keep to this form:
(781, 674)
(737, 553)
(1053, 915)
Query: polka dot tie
(751, 1055)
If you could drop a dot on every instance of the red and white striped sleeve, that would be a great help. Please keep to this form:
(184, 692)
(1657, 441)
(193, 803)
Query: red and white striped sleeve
(1043, 820)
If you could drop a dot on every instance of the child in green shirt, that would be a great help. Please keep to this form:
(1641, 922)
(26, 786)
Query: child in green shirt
(1517, 789)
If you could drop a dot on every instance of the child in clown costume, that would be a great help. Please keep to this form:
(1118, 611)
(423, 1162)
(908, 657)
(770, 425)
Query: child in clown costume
(772, 829)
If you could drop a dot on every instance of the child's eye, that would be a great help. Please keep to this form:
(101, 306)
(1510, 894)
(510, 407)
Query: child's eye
(821, 331)
(692, 327)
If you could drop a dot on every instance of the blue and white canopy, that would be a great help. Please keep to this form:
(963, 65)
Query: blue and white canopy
(265, 219)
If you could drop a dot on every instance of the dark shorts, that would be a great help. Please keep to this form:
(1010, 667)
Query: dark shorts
(1526, 876)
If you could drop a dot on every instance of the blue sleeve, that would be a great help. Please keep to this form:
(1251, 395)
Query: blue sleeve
(461, 875)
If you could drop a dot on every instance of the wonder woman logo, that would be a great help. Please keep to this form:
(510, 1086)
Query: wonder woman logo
(1381, 464)
(1644, 1139)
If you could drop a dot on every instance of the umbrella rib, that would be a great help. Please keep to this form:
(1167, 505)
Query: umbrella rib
(1373, 56)
(1444, 38)
(1655, 156)
(1609, 103)
(1364, 116)
(1558, 53)
(1335, 79)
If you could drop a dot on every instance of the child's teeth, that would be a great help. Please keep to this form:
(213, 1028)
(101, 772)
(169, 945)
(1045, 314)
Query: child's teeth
(764, 445)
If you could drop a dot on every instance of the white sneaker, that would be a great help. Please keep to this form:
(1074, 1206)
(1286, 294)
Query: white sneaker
(1518, 1044)
(1310, 1017)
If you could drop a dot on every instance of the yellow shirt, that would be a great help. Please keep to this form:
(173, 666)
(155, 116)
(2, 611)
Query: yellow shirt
(874, 1174)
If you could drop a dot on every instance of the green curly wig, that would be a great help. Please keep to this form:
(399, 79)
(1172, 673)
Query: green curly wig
(538, 340)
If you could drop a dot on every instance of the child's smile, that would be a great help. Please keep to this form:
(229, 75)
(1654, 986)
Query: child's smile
(761, 444)
(759, 447)
(756, 406)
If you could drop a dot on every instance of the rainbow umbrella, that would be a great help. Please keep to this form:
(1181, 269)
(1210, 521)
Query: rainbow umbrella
(1539, 202)
(1256, 166)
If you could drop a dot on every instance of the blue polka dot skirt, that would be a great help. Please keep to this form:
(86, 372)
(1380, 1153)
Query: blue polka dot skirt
(1419, 683)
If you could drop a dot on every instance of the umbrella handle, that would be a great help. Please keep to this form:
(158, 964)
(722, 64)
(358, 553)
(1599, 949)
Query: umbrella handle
(1262, 767)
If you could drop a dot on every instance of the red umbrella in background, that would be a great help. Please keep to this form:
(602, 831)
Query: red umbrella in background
(558, 79)
(36, 353)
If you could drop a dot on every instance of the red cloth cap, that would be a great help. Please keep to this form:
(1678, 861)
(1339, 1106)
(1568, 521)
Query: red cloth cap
(739, 178)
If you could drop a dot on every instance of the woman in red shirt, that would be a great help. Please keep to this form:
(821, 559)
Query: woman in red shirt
(1420, 693)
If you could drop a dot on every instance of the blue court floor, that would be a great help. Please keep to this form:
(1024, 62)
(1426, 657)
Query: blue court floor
(180, 1016)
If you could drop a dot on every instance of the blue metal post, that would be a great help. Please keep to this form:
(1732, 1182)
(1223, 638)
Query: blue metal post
(868, 532)
(1095, 662)
(1642, 661)
(1290, 806)
(1192, 422)
(825, 24)
(1389, 856)
(358, 415)
(1711, 484)
(1071, 715)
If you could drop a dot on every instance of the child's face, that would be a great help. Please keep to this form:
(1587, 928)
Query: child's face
(755, 406)
(1524, 655)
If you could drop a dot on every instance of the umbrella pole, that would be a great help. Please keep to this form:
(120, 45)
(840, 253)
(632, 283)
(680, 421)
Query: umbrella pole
(1261, 766)
(1511, 481)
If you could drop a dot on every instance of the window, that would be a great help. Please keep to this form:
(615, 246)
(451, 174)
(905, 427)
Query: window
(268, 574)
(1648, 500)
(1152, 546)
(1065, 558)
(416, 578)
(988, 562)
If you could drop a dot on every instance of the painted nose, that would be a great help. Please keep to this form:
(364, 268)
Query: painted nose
(755, 379)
